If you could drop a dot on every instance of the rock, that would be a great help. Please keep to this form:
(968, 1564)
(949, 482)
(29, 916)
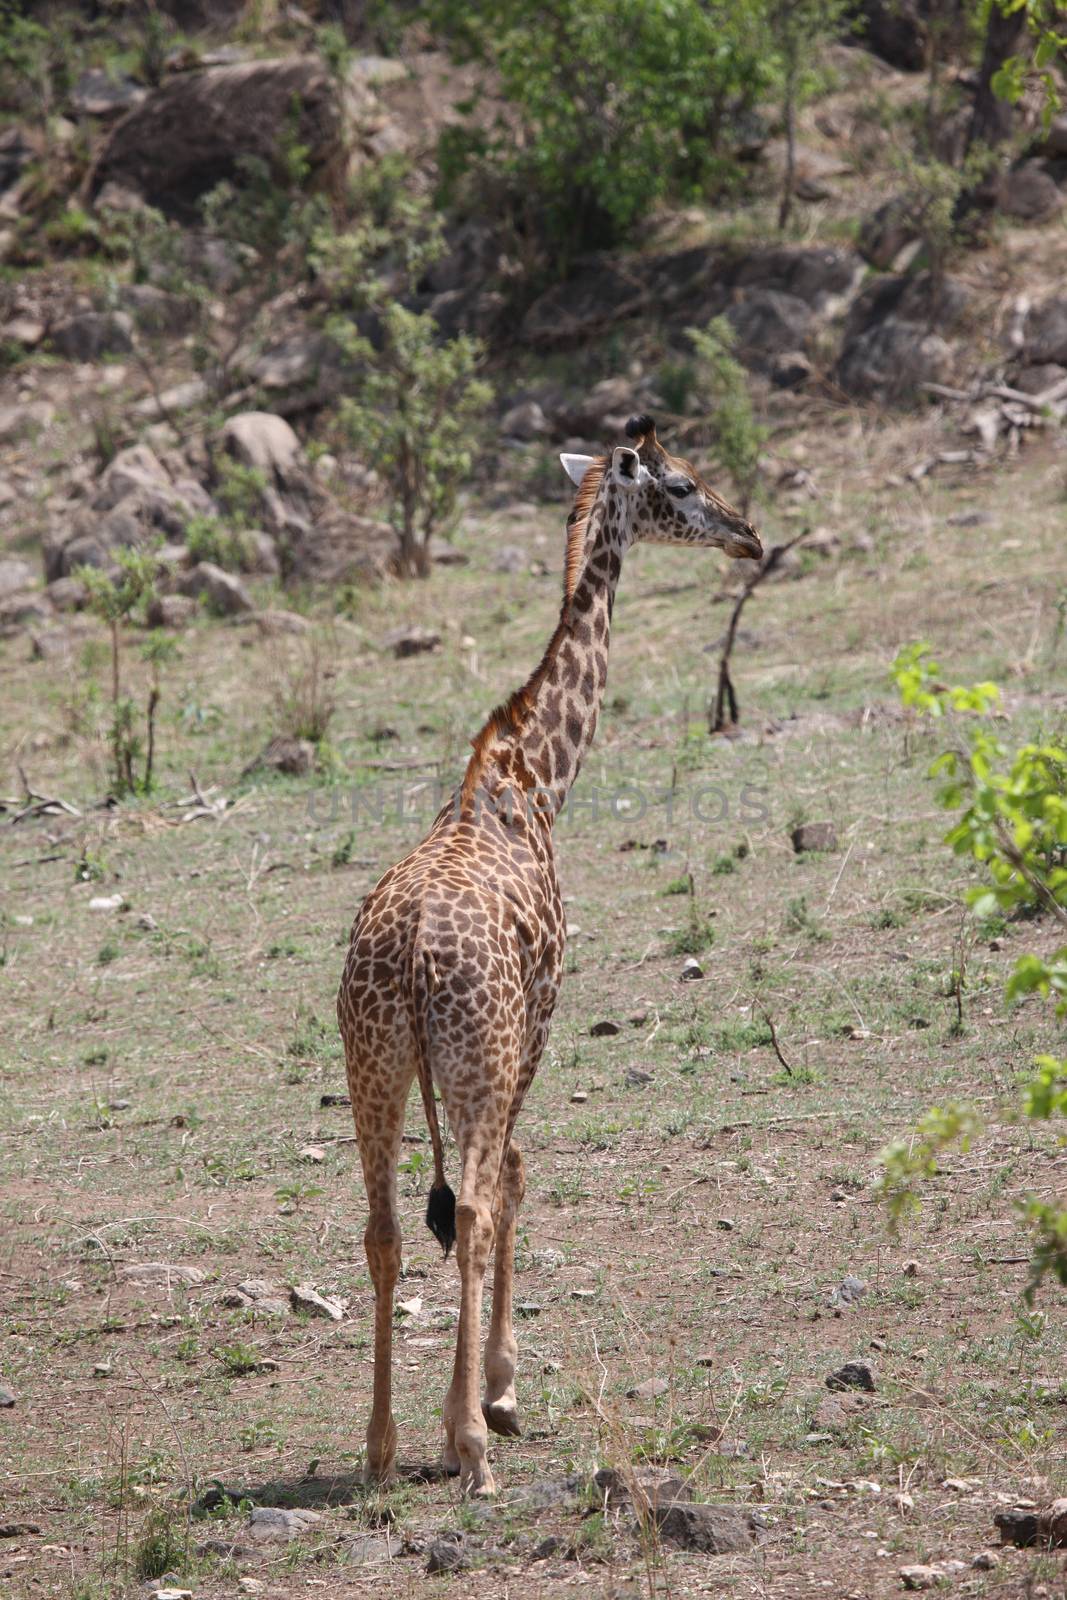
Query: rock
(265, 441)
(107, 902)
(17, 150)
(93, 334)
(1045, 338)
(26, 331)
(273, 1525)
(179, 397)
(156, 310)
(822, 278)
(930, 1576)
(147, 922)
(24, 420)
(524, 421)
(896, 30)
(791, 370)
(716, 1530)
(853, 1375)
(222, 592)
(848, 1292)
(647, 1488)
(448, 1553)
(605, 1030)
(371, 1549)
(887, 233)
(275, 624)
(910, 297)
(67, 594)
(15, 575)
(52, 644)
(260, 554)
(768, 324)
(7, 1397)
(312, 1152)
(985, 1561)
(892, 361)
(814, 836)
(300, 361)
(194, 130)
(304, 1298)
(97, 94)
(411, 641)
(259, 1295)
(1023, 1527)
(836, 1412)
(1029, 193)
(509, 558)
(911, 1269)
(295, 757)
(650, 1389)
(1037, 379)
(171, 611)
(691, 970)
(164, 1273)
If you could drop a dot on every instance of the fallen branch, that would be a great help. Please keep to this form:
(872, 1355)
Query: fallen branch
(725, 693)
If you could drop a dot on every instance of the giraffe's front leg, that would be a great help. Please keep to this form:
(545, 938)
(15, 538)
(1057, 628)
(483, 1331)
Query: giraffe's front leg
(499, 1407)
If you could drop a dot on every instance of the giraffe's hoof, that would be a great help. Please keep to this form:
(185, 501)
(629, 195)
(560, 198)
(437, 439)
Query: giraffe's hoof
(502, 1419)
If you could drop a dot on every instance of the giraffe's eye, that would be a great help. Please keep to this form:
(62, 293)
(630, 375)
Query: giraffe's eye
(679, 488)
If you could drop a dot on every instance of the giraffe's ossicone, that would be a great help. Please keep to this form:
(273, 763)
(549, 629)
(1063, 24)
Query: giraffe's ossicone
(456, 954)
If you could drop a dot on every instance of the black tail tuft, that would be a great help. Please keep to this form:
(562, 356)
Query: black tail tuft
(441, 1216)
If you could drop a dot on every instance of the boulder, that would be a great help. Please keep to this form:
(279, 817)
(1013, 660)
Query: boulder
(16, 153)
(265, 441)
(303, 361)
(171, 611)
(97, 94)
(715, 1530)
(791, 370)
(15, 576)
(156, 310)
(1036, 379)
(294, 757)
(23, 421)
(221, 591)
(67, 594)
(768, 323)
(1030, 194)
(911, 297)
(891, 361)
(1045, 338)
(93, 334)
(820, 277)
(524, 421)
(896, 30)
(192, 132)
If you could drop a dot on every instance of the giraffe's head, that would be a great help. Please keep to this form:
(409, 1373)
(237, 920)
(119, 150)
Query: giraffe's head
(670, 502)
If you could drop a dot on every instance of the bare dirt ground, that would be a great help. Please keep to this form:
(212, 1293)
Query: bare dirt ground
(693, 1204)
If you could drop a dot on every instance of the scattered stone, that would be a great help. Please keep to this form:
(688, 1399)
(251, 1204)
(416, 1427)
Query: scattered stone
(93, 334)
(650, 1389)
(583, 1294)
(853, 1375)
(836, 1412)
(1024, 1527)
(1030, 193)
(910, 1269)
(26, 331)
(411, 641)
(370, 1549)
(838, 1196)
(637, 1078)
(7, 1396)
(147, 922)
(67, 594)
(527, 1308)
(260, 1295)
(179, 397)
(726, 1224)
(304, 1298)
(273, 1525)
(448, 1553)
(17, 1530)
(691, 970)
(119, 1105)
(97, 94)
(102, 1369)
(986, 1561)
(791, 370)
(810, 836)
(648, 1488)
(262, 440)
(717, 1530)
(707, 1359)
(929, 1577)
(334, 1100)
(314, 1153)
(107, 902)
(605, 1030)
(156, 310)
(848, 1292)
(165, 1273)
(579, 1097)
(223, 593)
(638, 1018)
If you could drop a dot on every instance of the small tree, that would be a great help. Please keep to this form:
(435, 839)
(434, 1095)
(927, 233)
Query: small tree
(113, 597)
(411, 418)
(722, 386)
(800, 31)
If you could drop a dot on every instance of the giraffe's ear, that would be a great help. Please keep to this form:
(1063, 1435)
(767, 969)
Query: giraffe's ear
(625, 467)
(576, 467)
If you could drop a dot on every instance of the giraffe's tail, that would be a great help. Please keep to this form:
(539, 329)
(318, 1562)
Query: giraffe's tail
(441, 1205)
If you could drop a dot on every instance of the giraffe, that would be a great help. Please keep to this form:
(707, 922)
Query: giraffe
(456, 955)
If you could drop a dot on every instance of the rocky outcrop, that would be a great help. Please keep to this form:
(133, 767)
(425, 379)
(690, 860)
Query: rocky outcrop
(191, 133)
(890, 362)
(133, 501)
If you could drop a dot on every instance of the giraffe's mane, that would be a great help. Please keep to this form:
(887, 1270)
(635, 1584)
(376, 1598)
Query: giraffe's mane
(510, 717)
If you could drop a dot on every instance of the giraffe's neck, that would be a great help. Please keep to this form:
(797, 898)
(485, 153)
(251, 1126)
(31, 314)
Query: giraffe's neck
(538, 742)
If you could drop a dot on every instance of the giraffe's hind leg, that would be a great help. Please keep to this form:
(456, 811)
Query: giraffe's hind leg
(379, 1112)
(499, 1406)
